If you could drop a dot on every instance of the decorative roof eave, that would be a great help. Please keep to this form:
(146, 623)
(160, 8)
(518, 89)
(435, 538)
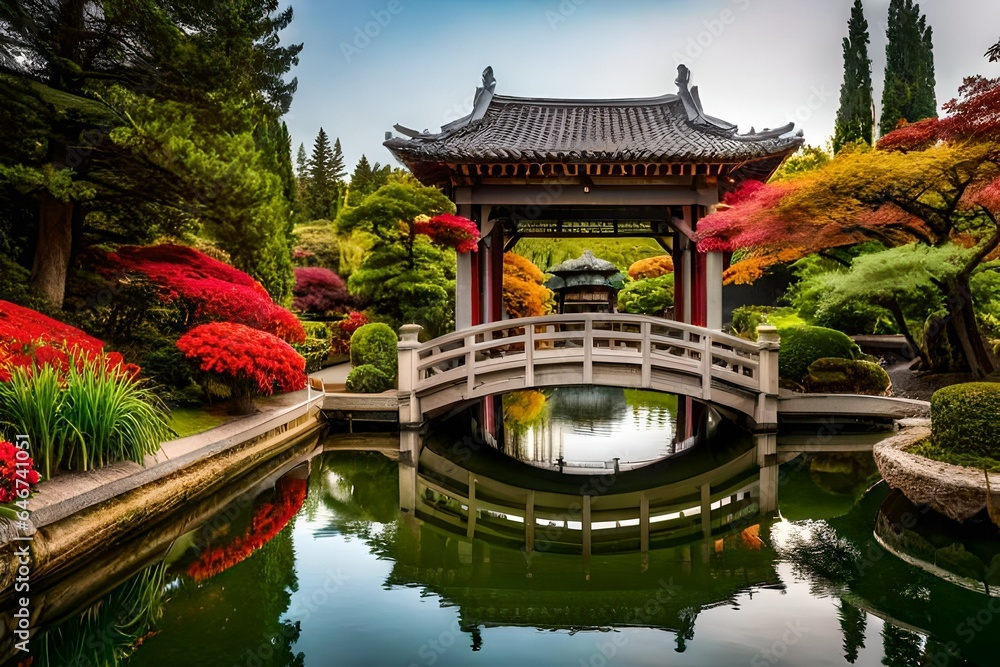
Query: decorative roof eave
(586, 263)
(708, 139)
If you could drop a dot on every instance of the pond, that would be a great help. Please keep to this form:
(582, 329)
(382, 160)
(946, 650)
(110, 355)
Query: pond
(318, 564)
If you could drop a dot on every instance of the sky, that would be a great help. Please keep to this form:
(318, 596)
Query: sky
(368, 64)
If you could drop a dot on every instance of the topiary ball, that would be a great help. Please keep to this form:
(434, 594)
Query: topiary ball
(964, 418)
(368, 379)
(376, 344)
(801, 346)
(847, 376)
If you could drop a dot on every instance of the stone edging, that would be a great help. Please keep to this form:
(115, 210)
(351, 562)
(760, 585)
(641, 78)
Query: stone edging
(957, 492)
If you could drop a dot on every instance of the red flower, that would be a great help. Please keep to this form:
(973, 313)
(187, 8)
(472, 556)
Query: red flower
(213, 290)
(238, 353)
(17, 472)
(455, 231)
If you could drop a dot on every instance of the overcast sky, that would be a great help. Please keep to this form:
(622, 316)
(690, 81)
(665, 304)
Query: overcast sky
(368, 64)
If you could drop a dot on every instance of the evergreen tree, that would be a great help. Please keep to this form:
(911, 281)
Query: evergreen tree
(366, 179)
(909, 69)
(855, 118)
(322, 188)
(302, 180)
(337, 163)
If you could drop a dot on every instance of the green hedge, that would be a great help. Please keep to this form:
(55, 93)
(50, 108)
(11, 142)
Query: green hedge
(368, 379)
(376, 344)
(650, 296)
(801, 346)
(846, 376)
(315, 351)
(965, 419)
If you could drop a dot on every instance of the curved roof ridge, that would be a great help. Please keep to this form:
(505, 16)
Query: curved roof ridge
(586, 102)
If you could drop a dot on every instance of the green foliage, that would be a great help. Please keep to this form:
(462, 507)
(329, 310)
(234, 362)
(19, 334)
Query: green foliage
(909, 70)
(404, 278)
(368, 379)
(319, 330)
(846, 376)
(855, 117)
(366, 180)
(651, 296)
(941, 343)
(746, 319)
(964, 419)
(315, 351)
(322, 179)
(316, 244)
(376, 345)
(623, 253)
(14, 287)
(99, 417)
(928, 449)
(802, 345)
(804, 160)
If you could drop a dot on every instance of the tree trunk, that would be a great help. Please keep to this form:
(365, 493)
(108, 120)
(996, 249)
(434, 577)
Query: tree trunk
(897, 314)
(964, 320)
(242, 400)
(52, 253)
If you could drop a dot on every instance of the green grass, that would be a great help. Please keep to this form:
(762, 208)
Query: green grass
(191, 421)
(929, 450)
(546, 253)
(785, 318)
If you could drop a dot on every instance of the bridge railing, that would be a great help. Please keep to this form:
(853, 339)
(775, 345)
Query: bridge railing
(585, 340)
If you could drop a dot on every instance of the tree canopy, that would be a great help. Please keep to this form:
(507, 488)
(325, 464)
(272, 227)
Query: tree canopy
(908, 94)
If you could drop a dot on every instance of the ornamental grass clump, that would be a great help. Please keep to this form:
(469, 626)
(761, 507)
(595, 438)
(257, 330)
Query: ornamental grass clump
(89, 415)
(245, 361)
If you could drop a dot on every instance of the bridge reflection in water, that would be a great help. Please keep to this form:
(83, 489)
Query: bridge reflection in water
(700, 490)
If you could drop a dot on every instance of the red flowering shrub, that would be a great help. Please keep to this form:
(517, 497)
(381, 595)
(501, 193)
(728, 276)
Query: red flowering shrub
(451, 230)
(318, 290)
(28, 338)
(211, 289)
(247, 361)
(268, 520)
(342, 331)
(17, 473)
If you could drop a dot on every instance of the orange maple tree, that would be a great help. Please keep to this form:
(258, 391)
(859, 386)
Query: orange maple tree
(652, 267)
(933, 182)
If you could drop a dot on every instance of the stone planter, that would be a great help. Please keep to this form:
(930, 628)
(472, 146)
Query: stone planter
(957, 492)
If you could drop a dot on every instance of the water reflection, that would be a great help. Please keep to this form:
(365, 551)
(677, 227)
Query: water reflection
(579, 428)
(711, 587)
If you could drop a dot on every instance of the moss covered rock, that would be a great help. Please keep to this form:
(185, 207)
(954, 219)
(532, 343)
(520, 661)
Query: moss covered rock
(801, 346)
(368, 379)
(376, 344)
(965, 419)
(847, 376)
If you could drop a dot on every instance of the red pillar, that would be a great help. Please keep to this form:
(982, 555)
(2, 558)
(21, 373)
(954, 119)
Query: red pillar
(699, 289)
(477, 310)
(496, 273)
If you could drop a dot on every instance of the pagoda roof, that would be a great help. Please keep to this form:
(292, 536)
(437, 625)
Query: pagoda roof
(586, 263)
(667, 129)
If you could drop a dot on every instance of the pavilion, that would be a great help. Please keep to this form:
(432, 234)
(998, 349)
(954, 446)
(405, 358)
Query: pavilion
(552, 168)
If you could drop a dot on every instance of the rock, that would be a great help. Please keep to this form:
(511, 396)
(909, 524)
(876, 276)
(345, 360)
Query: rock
(957, 492)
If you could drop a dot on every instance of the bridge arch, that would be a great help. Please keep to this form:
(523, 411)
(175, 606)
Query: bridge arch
(617, 350)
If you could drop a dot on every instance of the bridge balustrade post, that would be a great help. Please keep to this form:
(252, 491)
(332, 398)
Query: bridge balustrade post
(766, 416)
(408, 358)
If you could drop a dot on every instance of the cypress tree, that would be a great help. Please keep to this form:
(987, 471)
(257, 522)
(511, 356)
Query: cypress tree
(855, 118)
(909, 68)
(322, 189)
(337, 170)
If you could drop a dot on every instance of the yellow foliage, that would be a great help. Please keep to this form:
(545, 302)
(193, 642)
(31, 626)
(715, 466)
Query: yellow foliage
(524, 295)
(654, 267)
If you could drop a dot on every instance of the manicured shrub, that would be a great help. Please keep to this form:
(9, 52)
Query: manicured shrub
(846, 376)
(209, 289)
(376, 344)
(964, 419)
(802, 345)
(653, 267)
(246, 361)
(319, 291)
(651, 296)
(367, 379)
(746, 319)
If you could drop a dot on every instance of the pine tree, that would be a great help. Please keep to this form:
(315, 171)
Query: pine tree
(337, 163)
(909, 69)
(322, 189)
(302, 182)
(855, 118)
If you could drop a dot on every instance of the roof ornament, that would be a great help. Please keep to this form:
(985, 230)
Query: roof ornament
(484, 95)
(692, 103)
